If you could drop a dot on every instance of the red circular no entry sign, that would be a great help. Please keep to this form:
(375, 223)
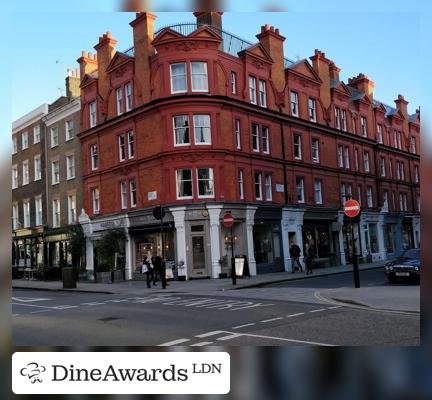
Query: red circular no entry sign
(351, 208)
(228, 220)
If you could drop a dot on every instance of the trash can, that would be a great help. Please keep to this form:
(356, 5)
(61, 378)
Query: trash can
(69, 278)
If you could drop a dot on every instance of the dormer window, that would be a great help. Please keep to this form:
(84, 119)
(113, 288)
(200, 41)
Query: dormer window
(178, 78)
(262, 93)
(199, 77)
(312, 110)
(119, 95)
(93, 116)
(252, 90)
(294, 104)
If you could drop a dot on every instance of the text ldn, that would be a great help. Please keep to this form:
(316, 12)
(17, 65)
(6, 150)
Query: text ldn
(206, 368)
(62, 373)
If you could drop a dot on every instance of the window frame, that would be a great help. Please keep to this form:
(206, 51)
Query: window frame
(257, 136)
(312, 109)
(133, 193)
(301, 180)
(262, 93)
(347, 157)
(72, 212)
(258, 184)
(233, 82)
(297, 145)
(14, 170)
(121, 140)
(123, 195)
(296, 103)
(265, 139)
(93, 114)
(317, 158)
(119, 100)
(94, 156)
(38, 210)
(268, 187)
(130, 144)
(209, 127)
(240, 179)
(175, 130)
(129, 97)
(252, 90)
(56, 213)
(36, 138)
(185, 76)
(68, 129)
(177, 184)
(320, 200)
(24, 135)
(26, 213)
(192, 76)
(37, 162)
(210, 179)
(68, 166)
(363, 126)
(340, 155)
(95, 200)
(366, 161)
(55, 175)
(54, 143)
(25, 172)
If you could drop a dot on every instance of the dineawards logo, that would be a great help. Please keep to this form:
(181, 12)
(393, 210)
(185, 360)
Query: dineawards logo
(121, 373)
(33, 371)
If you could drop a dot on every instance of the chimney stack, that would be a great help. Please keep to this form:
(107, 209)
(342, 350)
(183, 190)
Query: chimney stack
(88, 63)
(105, 52)
(321, 65)
(334, 72)
(73, 83)
(212, 18)
(363, 84)
(272, 41)
(143, 34)
(402, 106)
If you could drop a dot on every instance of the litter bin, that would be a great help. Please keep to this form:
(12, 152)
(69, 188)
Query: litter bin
(69, 278)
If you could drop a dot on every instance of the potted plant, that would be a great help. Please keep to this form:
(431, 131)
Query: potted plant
(109, 250)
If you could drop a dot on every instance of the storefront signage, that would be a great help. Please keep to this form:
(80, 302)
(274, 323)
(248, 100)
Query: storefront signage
(351, 208)
(280, 188)
(228, 220)
(152, 195)
(109, 225)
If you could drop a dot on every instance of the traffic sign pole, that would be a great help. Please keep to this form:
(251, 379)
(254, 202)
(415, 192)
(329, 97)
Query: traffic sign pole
(351, 210)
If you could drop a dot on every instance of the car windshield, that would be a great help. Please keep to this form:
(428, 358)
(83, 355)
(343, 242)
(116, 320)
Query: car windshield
(412, 253)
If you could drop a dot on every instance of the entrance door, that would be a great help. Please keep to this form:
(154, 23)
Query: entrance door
(198, 257)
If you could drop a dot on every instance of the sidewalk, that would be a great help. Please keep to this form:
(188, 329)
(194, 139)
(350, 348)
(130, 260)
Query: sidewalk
(190, 286)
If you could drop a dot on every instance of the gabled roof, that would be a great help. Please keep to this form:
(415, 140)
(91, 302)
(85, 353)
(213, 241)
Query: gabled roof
(356, 95)
(166, 34)
(340, 87)
(89, 78)
(118, 60)
(205, 32)
(202, 33)
(304, 68)
(258, 51)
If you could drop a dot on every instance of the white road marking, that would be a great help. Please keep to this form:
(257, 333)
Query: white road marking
(271, 319)
(252, 306)
(243, 326)
(29, 299)
(321, 309)
(294, 315)
(92, 304)
(332, 308)
(15, 315)
(116, 301)
(203, 335)
(234, 335)
(201, 344)
(31, 305)
(286, 339)
(64, 307)
(174, 342)
(39, 311)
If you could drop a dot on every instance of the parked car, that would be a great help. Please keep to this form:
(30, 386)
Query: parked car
(406, 267)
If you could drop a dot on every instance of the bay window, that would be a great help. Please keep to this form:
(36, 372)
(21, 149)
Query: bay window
(205, 182)
(199, 77)
(178, 78)
(184, 183)
(202, 129)
(181, 130)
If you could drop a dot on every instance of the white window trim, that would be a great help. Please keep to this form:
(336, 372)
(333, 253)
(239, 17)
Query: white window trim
(93, 121)
(296, 114)
(320, 191)
(174, 131)
(265, 128)
(119, 100)
(121, 159)
(253, 99)
(317, 159)
(71, 218)
(299, 146)
(15, 175)
(92, 158)
(67, 137)
(302, 191)
(233, 82)
(171, 78)
(363, 126)
(94, 191)
(347, 158)
(52, 130)
(259, 185)
(312, 116)
(55, 222)
(24, 135)
(68, 177)
(177, 184)
(129, 135)
(268, 198)
(133, 204)
(264, 92)
(14, 145)
(53, 182)
(344, 120)
(123, 199)
(27, 181)
(35, 129)
(211, 178)
(194, 134)
(241, 184)
(129, 105)
(37, 157)
(192, 74)
(15, 216)
(340, 155)
(26, 215)
(257, 138)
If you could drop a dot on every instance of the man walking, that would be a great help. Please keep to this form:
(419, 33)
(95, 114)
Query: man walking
(295, 257)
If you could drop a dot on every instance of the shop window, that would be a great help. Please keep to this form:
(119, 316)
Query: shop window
(266, 237)
(318, 238)
(389, 238)
(373, 237)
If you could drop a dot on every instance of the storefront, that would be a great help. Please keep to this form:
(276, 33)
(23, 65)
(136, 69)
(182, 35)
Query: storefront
(321, 229)
(267, 240)
(372, 236)
(351, 230)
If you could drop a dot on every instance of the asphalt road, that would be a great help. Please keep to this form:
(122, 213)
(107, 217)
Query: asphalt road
(48, 318)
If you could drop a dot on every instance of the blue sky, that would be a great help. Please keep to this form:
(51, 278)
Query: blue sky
(379, 41)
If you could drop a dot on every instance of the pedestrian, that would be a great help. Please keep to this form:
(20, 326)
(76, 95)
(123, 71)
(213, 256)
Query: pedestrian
(309, 256)
(159, 265)
(295, 257)
(148, 266)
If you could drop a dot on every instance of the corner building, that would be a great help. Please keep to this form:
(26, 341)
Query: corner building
(202, 122)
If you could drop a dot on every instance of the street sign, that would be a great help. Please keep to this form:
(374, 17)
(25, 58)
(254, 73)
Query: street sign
(228, 220)
(351, 208)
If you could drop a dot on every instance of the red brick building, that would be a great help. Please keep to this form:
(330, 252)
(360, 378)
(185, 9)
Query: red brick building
(202, 122)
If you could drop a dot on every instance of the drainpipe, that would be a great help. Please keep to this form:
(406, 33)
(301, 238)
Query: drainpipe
(283, 157)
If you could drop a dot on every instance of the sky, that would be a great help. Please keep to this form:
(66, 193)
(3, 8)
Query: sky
(371, 37)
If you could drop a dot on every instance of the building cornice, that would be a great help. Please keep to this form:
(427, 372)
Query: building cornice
(29, 118)
(63, 112)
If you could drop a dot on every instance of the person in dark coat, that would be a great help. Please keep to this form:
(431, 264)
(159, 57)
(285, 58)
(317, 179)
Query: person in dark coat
(295, 257)
(309, 257)
(159, 267)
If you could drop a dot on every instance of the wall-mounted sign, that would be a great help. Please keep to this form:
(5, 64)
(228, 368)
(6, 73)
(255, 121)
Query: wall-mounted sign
(152, 195)
(280, 188)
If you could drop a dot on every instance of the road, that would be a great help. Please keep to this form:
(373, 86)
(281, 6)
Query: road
(241, 317)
